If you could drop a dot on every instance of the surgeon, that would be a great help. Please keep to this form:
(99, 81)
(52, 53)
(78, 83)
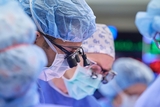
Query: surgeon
(62, 26)
(76, 90)
(133, 77)
(20, 65)
(148, 24)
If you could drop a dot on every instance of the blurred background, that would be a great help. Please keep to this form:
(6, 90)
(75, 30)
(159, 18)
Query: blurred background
(119, 15)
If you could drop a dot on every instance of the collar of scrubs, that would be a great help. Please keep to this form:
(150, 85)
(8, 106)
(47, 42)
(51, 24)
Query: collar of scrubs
(58, 90)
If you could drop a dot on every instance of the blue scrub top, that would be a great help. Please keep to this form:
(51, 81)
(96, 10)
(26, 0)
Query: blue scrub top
(48, 95)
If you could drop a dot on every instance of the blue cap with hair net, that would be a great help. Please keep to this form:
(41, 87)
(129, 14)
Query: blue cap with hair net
(19, 69)
(2, 2)
(129, 72)
(20, 65)
(68, 20)
(148, 23)
(15, 29)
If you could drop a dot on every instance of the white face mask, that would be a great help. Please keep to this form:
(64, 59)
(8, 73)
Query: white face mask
(58, 67)
(128, 101)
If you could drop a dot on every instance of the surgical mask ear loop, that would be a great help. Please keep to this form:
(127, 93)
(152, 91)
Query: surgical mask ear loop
(60, 47)
(50, 44)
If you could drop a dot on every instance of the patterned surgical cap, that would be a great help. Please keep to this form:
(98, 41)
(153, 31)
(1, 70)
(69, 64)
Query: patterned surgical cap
(20, 65)
(69, 20)
(100, 42)
(130, 72)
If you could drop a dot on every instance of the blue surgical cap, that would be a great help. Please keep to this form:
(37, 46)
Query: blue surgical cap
(16, 29)
(2, 2)
(68, 20)
(20, 65)
(129, 72)
(148, 23)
